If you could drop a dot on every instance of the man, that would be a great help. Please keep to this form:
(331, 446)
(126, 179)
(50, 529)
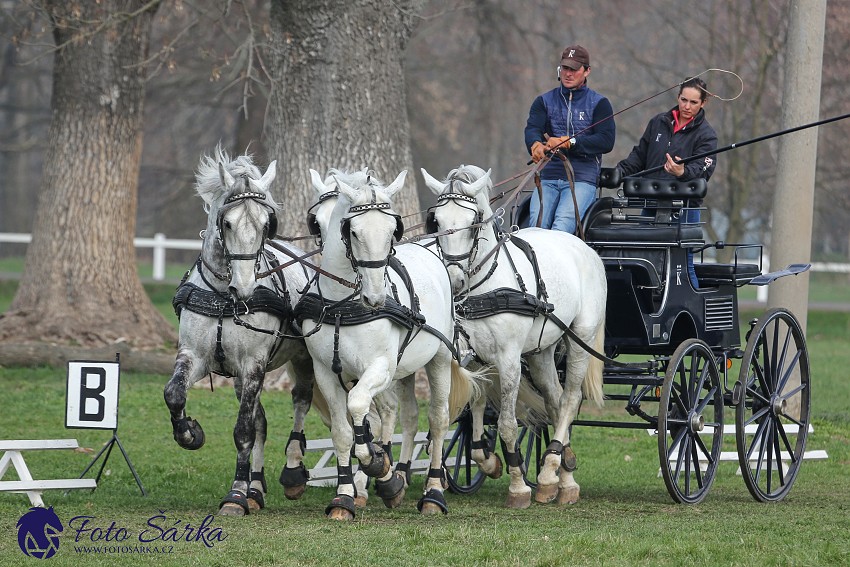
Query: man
(578, 122)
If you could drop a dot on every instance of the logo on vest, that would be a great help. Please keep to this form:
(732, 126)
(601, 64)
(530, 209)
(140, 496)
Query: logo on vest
(658, 138)
(38, 533)
(581, 115)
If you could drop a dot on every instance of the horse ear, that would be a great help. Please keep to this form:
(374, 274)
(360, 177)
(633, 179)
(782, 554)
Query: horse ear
(226, 179)
(269, 175)
(317, 182)
(434, 185)
(346, 189)
(393, 187)
(479, 184)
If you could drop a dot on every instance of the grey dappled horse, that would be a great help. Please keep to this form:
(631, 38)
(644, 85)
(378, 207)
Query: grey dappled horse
(237, 321)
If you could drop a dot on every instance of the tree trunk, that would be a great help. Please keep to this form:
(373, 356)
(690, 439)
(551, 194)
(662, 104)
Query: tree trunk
(338, 96)
(80, 285)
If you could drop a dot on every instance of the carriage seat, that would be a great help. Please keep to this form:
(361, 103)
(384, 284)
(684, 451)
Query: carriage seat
(718, 274)
(669, 197)
(664, 189)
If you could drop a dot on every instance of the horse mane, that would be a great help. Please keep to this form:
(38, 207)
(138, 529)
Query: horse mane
(470, 174)
(208, 180)
(356, 178)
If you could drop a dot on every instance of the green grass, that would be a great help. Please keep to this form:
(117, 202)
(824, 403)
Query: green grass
(625, 516)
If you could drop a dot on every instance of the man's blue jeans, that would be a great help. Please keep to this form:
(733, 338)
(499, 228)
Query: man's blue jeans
(558, 208)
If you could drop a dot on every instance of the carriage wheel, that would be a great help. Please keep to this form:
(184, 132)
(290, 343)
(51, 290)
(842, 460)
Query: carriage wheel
(772, 413)
(463, 474)
(532, 441)
(689, 410)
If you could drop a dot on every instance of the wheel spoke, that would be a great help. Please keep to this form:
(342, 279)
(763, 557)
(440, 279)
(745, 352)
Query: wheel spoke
(706, 400)
(701, 444)
(695, 449)
(757, 415)
(785, 441)
(783, 381)
(755, 440)
(778, 455)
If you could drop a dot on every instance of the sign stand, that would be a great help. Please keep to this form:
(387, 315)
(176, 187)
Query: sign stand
(92, 403)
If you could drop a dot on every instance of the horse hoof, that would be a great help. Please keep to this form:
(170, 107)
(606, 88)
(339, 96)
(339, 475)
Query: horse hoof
(340, 514)
(341, 508)
(431, 509)
(497, 469)
(188, 433)
(380, 464)
(361, 501)
(230, 509)
(395, 501)
(294, 492)
(254, 505)
(546, 493)
(569, 495)
(518, 501)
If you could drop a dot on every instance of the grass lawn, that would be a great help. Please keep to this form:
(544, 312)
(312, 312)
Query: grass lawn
(625, 516)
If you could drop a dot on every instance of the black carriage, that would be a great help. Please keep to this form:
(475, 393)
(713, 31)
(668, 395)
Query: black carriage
(692, 338)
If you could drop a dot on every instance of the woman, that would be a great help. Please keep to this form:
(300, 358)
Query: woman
(679, 133)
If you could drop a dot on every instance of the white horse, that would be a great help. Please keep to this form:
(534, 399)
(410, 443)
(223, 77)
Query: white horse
(237, 324)
(511, 310)
(399, 400)
(357, 334)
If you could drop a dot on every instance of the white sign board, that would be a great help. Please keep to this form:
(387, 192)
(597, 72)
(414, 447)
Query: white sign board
(92, 400)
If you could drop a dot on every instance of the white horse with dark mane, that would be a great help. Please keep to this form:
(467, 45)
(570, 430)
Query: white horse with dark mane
(516, 294)
(398, 402)
(236, 319)
(374, 315)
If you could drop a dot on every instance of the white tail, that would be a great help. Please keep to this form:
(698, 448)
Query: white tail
(591, 387)
(466, 387)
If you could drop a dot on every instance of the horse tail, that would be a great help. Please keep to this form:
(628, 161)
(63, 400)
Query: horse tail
(466, 387)
(592, 385)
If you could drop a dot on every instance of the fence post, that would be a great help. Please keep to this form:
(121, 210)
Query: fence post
(159, 256)
(761, 291)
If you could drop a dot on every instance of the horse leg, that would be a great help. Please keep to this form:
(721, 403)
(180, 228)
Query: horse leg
(257, 489)
(519, 494)
(559, 452)
(390, 487)
(342, 506)
(408, 411)
(248, 389)
(294, 475)
(186, 431)
(377, 422)
(439, 371)
(482, 453)
(374, 461)
(544, 374)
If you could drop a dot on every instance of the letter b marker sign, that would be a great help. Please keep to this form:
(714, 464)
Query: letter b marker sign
(92, 400)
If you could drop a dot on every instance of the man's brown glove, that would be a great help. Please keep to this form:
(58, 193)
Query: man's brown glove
(537, 151)
(562, 143)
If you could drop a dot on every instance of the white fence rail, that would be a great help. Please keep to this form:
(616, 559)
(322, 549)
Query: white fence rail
(161, 244)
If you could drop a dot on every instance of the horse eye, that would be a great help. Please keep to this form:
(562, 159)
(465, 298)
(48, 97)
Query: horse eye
(227, 225)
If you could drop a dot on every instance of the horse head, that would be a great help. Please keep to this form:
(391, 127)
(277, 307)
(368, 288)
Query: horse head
(241, 215)
(368, 228)
(462, 205)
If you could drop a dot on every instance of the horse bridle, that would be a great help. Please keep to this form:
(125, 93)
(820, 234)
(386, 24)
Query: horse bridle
(431, 227)
(269, 230)
(345, 232)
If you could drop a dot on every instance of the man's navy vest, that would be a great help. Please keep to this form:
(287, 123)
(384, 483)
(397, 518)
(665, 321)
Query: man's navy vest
(567, 118)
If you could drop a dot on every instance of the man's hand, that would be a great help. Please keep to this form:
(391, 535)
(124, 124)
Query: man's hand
(538, 151)
(562, 143)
